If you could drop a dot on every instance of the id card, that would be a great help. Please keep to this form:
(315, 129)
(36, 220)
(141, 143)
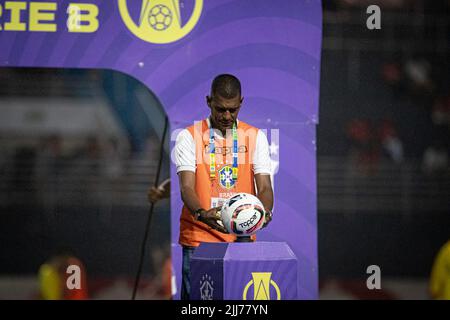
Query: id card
(217, 202)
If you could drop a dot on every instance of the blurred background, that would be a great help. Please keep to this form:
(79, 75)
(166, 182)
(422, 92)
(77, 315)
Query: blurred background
(383, 147)
(78, 151)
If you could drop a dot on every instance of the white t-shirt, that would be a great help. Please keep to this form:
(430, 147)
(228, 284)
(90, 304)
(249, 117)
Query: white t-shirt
(185, 152)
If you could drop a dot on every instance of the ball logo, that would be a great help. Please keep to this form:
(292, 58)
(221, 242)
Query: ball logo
(249, 222)
(261, 283)
(160, 20)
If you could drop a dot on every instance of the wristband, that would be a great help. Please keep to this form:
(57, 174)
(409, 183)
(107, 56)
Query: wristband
(197, 213)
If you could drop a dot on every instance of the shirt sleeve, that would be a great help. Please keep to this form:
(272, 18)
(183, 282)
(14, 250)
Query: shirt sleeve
(261, 157)
(185, 152)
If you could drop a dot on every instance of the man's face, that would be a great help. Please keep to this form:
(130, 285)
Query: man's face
(224, 112)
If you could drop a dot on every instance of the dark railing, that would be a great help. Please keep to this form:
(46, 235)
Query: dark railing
(343, 187)
(89, 182)
(400, 32)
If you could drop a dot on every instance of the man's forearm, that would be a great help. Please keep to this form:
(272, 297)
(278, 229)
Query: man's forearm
(190, 199)
(266, 197)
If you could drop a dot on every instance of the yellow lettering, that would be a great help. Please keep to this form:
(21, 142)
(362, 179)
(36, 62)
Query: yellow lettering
(37, 16)
(15, 8)
(1, 8)
(82, 12)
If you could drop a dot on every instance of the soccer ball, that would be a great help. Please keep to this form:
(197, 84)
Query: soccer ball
(160, 17)
(242, 214)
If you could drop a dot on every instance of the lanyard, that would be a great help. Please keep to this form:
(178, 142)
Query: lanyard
(212, 154)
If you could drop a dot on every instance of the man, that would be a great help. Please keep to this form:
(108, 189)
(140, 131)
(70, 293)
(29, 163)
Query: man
(217, 158)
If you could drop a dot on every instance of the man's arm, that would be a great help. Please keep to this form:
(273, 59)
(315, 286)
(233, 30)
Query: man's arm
(262, 170)
(190, 199)
(188, 195)
(265, 192)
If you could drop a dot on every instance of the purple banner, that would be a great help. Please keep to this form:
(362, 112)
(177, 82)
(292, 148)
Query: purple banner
(176, 48)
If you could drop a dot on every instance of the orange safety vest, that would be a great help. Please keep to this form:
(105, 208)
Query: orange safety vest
(208, 190)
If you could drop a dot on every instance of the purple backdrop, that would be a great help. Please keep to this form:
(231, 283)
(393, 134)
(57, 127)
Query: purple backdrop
(272, 46)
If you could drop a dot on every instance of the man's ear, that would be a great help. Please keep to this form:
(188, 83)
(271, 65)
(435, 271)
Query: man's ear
(242, 99)
(208, 101)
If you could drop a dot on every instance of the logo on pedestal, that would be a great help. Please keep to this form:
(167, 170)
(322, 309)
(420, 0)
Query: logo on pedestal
(261, 283)
(206, 288)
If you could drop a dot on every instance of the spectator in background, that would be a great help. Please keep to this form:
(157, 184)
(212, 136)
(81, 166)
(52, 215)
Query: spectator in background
(168, 279)
(112, 170)
(435, 159)
(440, 113)
(50, 165)
(162, 261)
(167, 276)
(53, 278)
(418, 76)
(113, 166)
(364, 150)
(89, 165)
(3, 157)
(440, 117)
(23, 173)
(391, 74)
(93, 150)
(390, 142)
(440, 274)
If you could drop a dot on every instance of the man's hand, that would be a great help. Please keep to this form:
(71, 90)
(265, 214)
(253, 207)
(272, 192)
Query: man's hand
(211, 218)
(161, 192)
(155, 194)
(268, 218)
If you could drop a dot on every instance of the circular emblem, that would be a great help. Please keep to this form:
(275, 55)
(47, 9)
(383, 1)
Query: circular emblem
(160, 20)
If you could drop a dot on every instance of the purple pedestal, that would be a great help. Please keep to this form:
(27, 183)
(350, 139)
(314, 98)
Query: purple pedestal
(244, 271)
